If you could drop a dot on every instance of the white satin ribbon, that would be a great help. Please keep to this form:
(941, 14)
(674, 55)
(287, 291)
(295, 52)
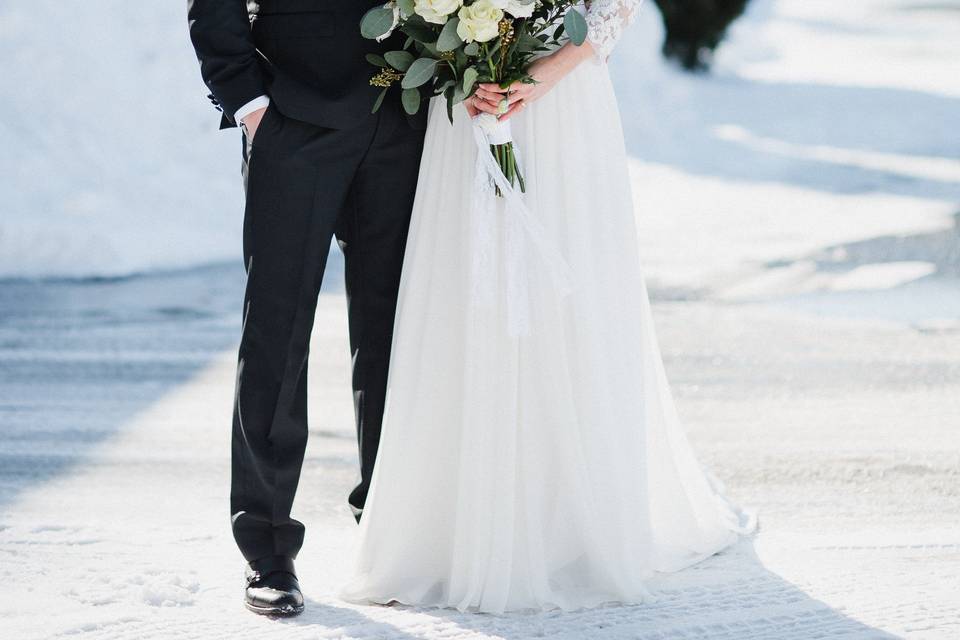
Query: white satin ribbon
(497, 131)
(522, 230)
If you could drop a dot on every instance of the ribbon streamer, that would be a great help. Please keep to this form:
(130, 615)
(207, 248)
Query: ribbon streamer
(520, 224)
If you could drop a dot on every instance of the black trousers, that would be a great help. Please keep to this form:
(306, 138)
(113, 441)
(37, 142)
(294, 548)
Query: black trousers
(305, 184)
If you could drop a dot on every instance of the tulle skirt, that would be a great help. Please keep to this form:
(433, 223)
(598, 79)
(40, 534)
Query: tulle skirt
(543, 470)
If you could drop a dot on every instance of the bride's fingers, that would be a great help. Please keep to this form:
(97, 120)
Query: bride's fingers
(520, 87)
(499, 100)
(489, 96)
(493, 87)
(517, 106)
(515, 97)
(486, 107)
(495, 92)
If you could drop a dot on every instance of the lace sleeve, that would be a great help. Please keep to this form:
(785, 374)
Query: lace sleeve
(606, 20)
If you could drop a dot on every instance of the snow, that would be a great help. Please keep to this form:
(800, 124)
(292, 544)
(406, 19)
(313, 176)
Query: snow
(798, 220)
(110, 164)
(129, 536)
(117, 167)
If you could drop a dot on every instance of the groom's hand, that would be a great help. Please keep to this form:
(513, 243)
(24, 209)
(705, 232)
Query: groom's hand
(251, 121)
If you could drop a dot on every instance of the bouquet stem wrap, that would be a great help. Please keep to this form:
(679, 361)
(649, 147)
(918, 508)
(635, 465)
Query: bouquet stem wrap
(522, 230)
(500, 137)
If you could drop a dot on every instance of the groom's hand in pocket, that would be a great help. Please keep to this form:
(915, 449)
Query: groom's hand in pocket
(252, 121)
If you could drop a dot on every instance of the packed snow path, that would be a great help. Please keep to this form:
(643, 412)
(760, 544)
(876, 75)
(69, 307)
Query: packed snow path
(841, 432)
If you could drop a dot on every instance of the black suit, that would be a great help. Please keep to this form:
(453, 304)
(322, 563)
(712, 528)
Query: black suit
(319, 165)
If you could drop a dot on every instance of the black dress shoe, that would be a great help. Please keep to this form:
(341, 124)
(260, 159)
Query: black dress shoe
(272, 587)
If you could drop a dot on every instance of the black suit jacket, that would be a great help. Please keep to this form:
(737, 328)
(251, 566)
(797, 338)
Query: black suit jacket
(307, 55)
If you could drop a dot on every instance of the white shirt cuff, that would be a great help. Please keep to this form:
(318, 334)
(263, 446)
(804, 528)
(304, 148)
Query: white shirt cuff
(260, 102)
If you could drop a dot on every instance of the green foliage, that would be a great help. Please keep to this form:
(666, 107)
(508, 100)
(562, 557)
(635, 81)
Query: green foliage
(399, 60)
(470, 76)
(379, 101)
(376, 23)
(576, 27)
(411, 100)
(419, 73)
(419, 30)
(449, 39)
(376, 60)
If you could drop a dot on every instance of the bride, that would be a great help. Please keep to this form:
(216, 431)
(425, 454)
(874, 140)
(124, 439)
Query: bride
(531, 455)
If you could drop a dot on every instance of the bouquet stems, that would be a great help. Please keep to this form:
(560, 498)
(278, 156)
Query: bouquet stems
(506, 158)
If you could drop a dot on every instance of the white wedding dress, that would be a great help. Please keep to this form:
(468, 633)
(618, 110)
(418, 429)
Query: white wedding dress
(542, 467)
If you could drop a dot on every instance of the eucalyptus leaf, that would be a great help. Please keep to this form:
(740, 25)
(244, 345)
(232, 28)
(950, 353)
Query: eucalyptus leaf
(379, 100)
(448, 94)
(419, 73)
(449, 39)
(376, 60)
(472, 49)
(576, 27)
(529, 43)
(411, 100)
(406, 7)
(419, 31)
(399, 59)
(376, 22)
(469, 78)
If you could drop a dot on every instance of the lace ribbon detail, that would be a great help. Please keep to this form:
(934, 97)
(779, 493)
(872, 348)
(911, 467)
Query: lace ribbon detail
(606, 20)
(523, 234)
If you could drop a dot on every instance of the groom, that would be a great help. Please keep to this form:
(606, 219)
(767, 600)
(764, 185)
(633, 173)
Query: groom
(317, 164)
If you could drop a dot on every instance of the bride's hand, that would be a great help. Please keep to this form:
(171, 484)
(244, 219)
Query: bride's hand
(472, 110)
(546, 73)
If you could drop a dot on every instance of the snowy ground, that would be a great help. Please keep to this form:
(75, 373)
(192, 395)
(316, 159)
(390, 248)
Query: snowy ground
(797, 215)
(114, 525)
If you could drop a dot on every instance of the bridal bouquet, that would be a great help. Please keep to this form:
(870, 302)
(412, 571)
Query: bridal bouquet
(454, 45)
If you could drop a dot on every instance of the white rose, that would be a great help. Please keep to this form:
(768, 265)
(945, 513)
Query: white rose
(436, 11)
(517, 8)
(480, 21)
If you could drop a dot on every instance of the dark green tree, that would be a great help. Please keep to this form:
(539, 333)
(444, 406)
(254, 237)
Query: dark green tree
(694, 28)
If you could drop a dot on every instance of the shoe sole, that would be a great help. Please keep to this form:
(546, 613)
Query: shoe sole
(278, 612)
